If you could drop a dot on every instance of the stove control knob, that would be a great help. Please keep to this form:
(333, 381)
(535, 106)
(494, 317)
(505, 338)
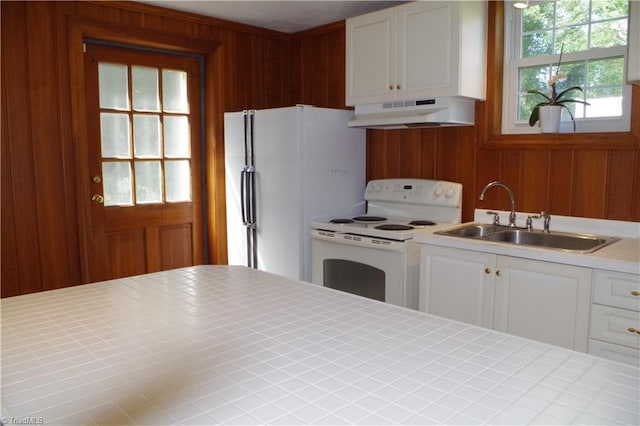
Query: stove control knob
(377, 187)
(450, 192)
(438, 191)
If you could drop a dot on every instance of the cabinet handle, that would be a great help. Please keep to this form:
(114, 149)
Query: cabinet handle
(498, 272)
(633, 330)
(487, 270)
(635, 293)
(398, 87)
(391, 87)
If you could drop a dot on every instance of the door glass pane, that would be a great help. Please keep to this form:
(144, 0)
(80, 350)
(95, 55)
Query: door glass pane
(178, 180)
(148, 182)
(176, 137)
(174, 91)
(114, 133)
(146, 136)
(145, 88)
(156, 140)
(116, 181)
(113, 86)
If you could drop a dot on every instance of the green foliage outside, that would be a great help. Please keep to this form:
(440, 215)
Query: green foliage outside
(546, 26)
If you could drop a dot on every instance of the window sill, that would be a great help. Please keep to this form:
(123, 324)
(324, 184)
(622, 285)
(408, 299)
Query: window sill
(620, 140)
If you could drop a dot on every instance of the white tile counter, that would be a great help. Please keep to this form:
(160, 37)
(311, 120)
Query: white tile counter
(216, 344)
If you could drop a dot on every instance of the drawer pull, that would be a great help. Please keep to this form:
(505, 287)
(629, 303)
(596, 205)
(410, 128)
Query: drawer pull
(635, 293)
(633, 330)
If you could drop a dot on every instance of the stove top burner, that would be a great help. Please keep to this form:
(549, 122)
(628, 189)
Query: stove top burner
(393, 227)
(341, 221)
(422, 223)
(369, 218)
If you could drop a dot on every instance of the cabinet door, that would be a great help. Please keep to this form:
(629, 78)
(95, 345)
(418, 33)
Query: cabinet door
(544, 301)
(457, 284)
(633, 58)
(371, 57)
(428, 49)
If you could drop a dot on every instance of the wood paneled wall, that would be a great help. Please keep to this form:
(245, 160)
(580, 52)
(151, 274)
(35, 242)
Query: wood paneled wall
(585, 175)
(592, 175)
(41, 245)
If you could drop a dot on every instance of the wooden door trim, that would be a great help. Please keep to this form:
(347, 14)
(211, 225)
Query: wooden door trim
(78, 31)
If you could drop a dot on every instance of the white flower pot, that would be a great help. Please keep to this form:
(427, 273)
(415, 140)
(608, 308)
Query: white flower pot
(550, 118)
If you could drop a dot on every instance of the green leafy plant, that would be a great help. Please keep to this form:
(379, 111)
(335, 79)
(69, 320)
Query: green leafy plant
(557, 99)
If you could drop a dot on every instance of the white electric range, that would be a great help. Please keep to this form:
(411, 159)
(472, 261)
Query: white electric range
(374, 255)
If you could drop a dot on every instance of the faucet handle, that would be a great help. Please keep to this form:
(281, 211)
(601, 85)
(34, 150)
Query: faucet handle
(547, 219)
(529, 223)
(496, 217)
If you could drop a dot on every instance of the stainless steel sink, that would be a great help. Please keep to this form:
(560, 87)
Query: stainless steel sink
(579, 243)
(474, 231)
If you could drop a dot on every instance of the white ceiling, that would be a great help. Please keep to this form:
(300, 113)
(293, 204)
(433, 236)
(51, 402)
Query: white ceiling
(287, 16)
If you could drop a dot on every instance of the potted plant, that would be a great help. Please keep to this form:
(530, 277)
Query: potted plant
(557, 101)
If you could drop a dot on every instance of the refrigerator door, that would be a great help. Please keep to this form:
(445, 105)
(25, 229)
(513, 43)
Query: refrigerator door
(332, 172)
(277, 158)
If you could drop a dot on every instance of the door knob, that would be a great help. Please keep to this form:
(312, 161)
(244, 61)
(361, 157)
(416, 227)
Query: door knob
(97, 198)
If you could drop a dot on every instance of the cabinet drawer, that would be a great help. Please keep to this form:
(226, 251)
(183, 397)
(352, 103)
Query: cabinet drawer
(617, 289)
(614, 352)
(613, 324)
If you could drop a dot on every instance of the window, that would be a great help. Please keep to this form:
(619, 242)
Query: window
(145, 135)
(592, 37)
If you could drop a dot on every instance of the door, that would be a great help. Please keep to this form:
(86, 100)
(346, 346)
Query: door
(457, 284)
(544, 301)
(144, 162)
(427, 54)
(368, 267)
(371, 57)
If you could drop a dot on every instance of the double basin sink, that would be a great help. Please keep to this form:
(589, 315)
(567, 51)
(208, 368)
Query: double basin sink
(571, 242)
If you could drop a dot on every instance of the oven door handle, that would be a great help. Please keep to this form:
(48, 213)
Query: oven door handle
(360, 241)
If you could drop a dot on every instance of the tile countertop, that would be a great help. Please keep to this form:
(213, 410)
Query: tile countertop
(621, 256)
(232, 345)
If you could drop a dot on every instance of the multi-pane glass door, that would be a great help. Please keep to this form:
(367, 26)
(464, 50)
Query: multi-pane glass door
(145, 135)
(143, 175)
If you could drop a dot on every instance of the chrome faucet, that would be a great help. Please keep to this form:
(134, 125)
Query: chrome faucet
(512, 214)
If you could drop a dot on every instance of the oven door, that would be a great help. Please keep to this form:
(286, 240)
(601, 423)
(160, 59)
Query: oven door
(379, 269)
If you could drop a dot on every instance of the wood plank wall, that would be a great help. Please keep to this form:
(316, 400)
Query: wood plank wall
(593, 175)
(40, 236)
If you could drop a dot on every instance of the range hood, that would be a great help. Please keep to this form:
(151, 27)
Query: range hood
(434, 112)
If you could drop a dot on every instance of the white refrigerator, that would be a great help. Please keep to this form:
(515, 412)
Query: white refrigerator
(283, 168)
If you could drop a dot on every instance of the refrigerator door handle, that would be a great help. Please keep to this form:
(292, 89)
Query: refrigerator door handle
(251, 196)
(243, 195)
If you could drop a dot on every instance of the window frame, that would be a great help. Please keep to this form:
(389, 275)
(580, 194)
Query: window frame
(512, 63)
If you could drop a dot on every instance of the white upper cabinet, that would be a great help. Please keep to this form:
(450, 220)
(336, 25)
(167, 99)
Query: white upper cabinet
(633, 44)
(417, 50)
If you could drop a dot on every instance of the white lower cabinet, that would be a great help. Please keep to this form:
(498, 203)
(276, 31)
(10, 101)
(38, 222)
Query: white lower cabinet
(457, 284)
(548, 302)
(544, 301)
(614, 330)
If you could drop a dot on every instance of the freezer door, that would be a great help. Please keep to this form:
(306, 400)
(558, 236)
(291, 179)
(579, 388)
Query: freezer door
(235, 179)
